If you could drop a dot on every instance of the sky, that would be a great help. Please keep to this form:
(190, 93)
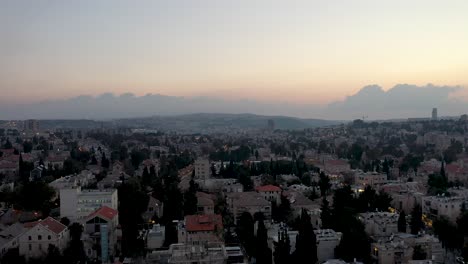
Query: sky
(295, 52)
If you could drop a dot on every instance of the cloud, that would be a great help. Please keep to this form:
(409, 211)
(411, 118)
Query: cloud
(401, 101)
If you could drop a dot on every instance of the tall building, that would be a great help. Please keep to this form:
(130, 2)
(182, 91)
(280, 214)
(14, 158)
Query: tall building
(434, 113)
(76, 204)
(271, 124)
(202, 169)
(31, 125)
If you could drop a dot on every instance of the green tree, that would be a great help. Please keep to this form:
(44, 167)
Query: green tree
(306, 242)
(75, 252)
(190, 199)
(263, 252)
(324, 184)
(245, 231)
(402, 222)
(326, 214)
(416, 223)
(282, 248)
(419, 253)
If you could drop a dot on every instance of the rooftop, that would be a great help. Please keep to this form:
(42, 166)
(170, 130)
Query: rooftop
(196, 223)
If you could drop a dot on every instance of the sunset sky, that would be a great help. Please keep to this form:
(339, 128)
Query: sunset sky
(294, 51)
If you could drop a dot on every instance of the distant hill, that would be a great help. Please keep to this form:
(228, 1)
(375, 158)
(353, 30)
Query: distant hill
(216, 122)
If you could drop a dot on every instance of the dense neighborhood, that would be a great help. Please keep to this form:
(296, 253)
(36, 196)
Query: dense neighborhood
(358, 192)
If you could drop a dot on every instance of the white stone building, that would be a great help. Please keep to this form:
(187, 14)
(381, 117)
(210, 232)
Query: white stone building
(76, 203)
(41, 234)
(202, 169)
(327, 241)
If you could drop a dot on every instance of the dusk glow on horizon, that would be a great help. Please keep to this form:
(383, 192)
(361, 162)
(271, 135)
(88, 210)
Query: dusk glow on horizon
(293, 51)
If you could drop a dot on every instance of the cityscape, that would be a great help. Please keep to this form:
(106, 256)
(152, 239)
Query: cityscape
(233, 132)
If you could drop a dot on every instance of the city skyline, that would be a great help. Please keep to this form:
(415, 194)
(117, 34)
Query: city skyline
(302, 52)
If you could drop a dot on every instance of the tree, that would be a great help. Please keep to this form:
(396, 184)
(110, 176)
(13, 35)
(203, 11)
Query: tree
(416, 223)
(27, 146)
(419, 253)
(105, 163)
(8, 144)
(190, 199)
(65, 221)
(448, 233)
(402, 222)
(324, 184)
(53, 255)
(306, 242)
(263, 254)
(282, 248)
(146, 177)
(326, 214)
(75, 252)
(94, 160)
(245, 231)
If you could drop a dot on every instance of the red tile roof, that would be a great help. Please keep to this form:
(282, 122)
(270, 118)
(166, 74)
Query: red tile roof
(8, 165)
(7, 151)
(453, 168)
(336, 162)
(196, 223)
(104, 212)
(268, 188)
(49, 223)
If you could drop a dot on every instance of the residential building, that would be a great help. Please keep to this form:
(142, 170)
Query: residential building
(41, 234)
(155, 237)
(76, 203)
(370, 178)
(101, 231)
(202, 169)
(251, 202)
(154, 208)
(210, 253)
(200, 229)
(327, 241)
(205, 203)
(380, 224)
(441, 206)
(270, 193)
(9, 237)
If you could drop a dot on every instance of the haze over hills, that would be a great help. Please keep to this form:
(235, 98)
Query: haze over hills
(401, 101)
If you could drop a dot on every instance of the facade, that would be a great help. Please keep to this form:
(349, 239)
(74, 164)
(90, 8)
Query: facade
(251, 202)
(9, 237)
(380, 224)
(441, 206)
(399, 249)
(270, 193)
(40, 235)
(155, 237)
(211, 253)
(200, 229)
(327, 241)
(205, 203)
(76, 203)
(154, 208)
(31, 125)
(202, 169)
(370, 178)
(434, 113)
(97, 243)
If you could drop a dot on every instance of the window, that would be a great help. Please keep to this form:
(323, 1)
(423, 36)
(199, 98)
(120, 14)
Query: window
(40, 246)
(30, 247)
(39, 237)
(29, 237)
(49, 237)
